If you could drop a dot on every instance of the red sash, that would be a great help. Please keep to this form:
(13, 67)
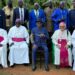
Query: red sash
(63, 53)
(1, 38)
(18, 39)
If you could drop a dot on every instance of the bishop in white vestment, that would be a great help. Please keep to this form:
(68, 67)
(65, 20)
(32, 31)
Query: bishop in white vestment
(18, 42)
(3, 48)
(62, 42)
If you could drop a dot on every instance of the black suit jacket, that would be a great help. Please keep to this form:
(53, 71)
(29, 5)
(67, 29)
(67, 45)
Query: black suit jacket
(16, 15)
(2, 19)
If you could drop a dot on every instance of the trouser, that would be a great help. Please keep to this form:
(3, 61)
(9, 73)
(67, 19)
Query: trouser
(71, 29)
(46, 53)
(49, 44)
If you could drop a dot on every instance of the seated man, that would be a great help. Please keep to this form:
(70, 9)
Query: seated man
(39, 37)
(3, 48)
(62, 42)
(18, 42)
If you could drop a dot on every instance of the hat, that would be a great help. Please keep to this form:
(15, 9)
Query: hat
(18, 20)
(62, 24)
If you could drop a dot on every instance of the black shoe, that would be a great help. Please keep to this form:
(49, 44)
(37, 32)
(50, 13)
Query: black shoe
(46, 68)
(1, 66)
(26, 64)
(57, 67)
(33, 67)
(12, 66)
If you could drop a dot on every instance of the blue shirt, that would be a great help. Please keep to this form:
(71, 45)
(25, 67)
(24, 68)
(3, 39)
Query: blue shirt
(33, 18)
(37, 39)
(57, 15)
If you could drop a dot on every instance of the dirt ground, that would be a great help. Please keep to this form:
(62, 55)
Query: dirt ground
(26, 70)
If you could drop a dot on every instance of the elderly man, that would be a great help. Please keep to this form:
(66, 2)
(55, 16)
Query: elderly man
(60, 14)
(34, 14)
(62, 42)
(18, 42)
(39, 37)
(3, 48)
(22, 13)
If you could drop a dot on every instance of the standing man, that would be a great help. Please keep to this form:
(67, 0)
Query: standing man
(34, 14)
(8, 9)
(59, 14)
(72, 18)
(39, 36)
(22, 13)
(2, 19)
(48, 11)
(18, 44)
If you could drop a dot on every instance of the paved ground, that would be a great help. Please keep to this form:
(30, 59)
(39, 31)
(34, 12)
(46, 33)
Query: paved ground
(26, 70)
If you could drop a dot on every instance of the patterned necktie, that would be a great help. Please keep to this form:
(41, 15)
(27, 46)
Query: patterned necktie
(22, 19)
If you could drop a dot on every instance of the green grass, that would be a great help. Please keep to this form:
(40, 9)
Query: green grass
(3, 73)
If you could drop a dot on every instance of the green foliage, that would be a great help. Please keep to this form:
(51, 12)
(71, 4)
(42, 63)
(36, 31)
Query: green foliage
(30, 2)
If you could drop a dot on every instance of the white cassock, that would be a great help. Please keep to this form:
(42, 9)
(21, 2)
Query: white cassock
(61, 35)
(3, 49)
(19, 52)
(73, 50)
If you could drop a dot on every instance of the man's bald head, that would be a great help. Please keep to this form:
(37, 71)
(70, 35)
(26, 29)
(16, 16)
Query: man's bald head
(62, 4)
(20, 3)
(36, 5)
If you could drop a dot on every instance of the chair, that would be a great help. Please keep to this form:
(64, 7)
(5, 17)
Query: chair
(40, 55)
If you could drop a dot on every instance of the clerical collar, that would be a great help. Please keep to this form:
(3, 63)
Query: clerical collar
(18, 27)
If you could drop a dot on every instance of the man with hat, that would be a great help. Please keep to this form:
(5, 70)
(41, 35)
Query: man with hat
(22, 13)
(39, 36)
(18, 43)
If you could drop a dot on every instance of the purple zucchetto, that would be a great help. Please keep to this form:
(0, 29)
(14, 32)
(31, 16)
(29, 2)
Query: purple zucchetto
(17, 20)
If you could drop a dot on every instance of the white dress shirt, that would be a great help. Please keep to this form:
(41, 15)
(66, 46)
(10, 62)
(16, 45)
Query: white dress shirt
(21, 12)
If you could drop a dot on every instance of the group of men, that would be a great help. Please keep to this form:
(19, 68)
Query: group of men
(17, 37)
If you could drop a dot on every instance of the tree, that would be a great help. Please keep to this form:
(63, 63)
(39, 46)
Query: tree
(3, 2)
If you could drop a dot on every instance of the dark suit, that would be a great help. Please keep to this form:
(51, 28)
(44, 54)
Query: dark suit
(71, 20)
(2, 19)
(16, 15)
